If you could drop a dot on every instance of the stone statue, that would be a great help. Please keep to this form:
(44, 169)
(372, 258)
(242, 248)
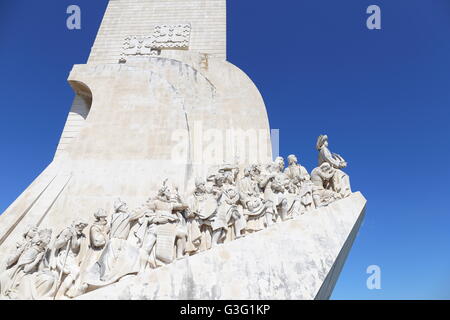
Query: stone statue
(166, 226)
(229, 213)
(22, 245)
(98, 233)
(30, 278)
(299, 185)
(273, 182)
(98, 237)
(69, 251)
(341, 181)
(252, 199)
(322, 178)
(181, 211)
(230, 209)
(202, 206)
(295, 170)
(119, 257)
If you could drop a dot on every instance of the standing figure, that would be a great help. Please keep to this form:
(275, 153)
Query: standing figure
(202, 206)
(295, 170)
(166, 231)
(300, 180)
(22, 245)
(273, 182)
(252, 200)
(69, 250)
(231, 210)
(98, 237)
(322, 178)
(181, 211)
(120, 257)
(98, 233)
(341, 181)
(26, 279)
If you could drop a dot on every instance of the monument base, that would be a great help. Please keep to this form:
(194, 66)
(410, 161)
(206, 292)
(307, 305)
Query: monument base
(299, 259)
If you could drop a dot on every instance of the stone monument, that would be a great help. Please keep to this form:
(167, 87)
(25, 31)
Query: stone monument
(163, 184)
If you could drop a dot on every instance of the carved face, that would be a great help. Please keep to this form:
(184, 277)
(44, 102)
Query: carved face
(31, 233)
(79, 227)
(229, 177)
(255, 172)
(326, 168)
(231, 192)
(292, 160)
(220, 180)
(46, 237)
(101, 219)
(279, 164)
(201, 187)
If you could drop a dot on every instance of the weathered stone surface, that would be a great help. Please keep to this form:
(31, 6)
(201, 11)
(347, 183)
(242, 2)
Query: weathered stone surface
(296, 259)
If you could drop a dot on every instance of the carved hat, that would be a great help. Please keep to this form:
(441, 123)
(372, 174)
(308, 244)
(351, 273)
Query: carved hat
(80, 222)
(118, 204)
(101, 213)
(321, 140)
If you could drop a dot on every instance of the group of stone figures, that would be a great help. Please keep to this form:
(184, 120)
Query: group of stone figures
(223, 207)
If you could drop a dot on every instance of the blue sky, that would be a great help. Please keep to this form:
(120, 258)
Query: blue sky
(382, 96)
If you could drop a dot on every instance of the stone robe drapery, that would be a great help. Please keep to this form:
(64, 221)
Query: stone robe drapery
(253, 202)
(120, 257)
(36, 283)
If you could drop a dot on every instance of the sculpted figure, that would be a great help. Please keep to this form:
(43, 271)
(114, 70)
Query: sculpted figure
(322, 178)
(98, 233)
(229, 212)
(165, 227)
(69, 250)
(119, 257)
(30, 278)
(181, 211)
(22, 245)
(273, 182)
(98, 237)
(341, 181)
(300, 185)
(252, 199)
(295, 170)
(230, 209)
(202, 206)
